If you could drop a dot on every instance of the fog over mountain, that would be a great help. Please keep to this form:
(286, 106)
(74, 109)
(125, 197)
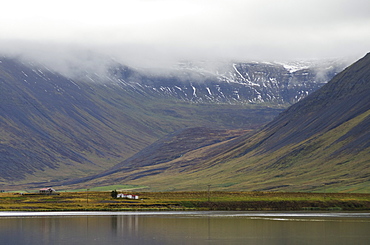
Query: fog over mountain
(162, 32)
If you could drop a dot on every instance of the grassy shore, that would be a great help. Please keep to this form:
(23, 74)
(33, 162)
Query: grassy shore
(248, 201)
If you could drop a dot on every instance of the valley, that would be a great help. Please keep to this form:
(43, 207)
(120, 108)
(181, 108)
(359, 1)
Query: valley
(194, 126)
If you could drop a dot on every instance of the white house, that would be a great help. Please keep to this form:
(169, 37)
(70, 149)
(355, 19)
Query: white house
(128, 196)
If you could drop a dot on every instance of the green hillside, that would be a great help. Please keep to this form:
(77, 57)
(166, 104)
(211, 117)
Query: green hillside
(320, 144)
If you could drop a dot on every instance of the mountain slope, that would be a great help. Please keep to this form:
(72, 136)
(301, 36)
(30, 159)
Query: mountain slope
(344, 98)
(319, 144)
(54, 127)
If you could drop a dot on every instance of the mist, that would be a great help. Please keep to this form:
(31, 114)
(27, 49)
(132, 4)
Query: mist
(157, 34)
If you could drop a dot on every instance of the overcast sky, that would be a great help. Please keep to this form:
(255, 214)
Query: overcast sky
(160, 30)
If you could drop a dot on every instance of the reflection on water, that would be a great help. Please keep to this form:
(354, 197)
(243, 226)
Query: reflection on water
(184, 228)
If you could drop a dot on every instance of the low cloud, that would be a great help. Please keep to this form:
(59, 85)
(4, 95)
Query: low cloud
(159, 33)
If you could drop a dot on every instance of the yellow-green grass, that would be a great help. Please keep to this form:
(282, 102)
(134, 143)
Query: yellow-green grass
(315, 165)
(102, 201)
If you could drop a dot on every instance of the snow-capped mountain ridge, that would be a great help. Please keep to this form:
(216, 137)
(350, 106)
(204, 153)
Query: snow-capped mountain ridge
(202, 82)
(255, 82)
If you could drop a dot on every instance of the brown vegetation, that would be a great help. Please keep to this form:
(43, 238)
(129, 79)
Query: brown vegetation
(246, 201)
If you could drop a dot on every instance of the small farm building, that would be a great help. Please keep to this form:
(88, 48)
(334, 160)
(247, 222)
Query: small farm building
(47, 191)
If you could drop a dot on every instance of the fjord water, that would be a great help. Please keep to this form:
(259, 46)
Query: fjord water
(184, 228)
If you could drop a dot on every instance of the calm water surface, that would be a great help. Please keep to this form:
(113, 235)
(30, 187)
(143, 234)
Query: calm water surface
(263, 228)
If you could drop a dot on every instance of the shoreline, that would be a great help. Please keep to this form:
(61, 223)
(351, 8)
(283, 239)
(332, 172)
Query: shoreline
(233, 214)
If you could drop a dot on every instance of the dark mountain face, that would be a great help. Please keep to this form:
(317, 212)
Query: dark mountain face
(48, 120)
(319, 144)
(54, 127)
(344, 98)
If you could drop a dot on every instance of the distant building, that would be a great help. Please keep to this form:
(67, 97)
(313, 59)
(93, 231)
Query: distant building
(129, 196)
(47, 191)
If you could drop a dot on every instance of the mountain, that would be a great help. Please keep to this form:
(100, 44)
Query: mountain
(56, 126)
(232, 83)
(321, 143)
